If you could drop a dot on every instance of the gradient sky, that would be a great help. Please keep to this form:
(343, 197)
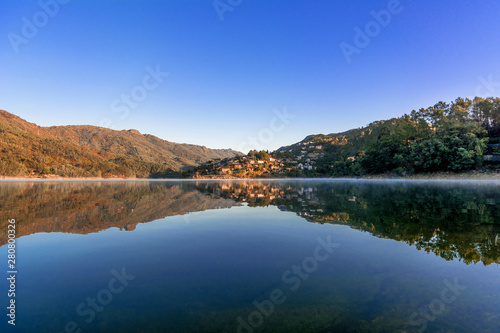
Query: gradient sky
(228, 78)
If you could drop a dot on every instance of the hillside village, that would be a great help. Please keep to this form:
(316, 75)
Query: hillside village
(304, 159)
(263, 164)
(461, 136)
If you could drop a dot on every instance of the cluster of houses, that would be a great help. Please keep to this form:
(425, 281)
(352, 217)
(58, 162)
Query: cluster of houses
(251, 166)
(240, 167)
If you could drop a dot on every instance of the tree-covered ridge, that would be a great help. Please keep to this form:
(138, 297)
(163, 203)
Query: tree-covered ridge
(88, 151)
(454, 221)
(144, 147)
(444, 137)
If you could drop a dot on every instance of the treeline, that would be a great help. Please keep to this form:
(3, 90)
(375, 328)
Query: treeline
(444, 137)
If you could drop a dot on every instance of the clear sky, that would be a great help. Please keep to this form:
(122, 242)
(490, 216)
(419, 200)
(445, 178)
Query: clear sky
(234, 65)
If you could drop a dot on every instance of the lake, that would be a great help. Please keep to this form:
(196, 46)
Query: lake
(253, 256)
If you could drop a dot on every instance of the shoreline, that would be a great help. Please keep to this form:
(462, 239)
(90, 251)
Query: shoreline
(473, 175)
(431, 176)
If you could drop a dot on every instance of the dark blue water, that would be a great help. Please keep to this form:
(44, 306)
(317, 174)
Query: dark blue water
(274, 256)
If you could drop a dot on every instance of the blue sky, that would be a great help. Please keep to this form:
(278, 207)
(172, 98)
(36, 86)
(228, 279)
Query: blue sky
(228, 78)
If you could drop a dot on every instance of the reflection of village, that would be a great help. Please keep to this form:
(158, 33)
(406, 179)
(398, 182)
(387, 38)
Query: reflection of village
(479, 242)
(454, 223)
(302, 200)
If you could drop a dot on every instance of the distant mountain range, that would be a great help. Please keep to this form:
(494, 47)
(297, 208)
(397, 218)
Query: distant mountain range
(90, 151)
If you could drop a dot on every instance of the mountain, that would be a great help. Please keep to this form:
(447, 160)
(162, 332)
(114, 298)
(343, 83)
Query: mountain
(88, 151)
(145, 147)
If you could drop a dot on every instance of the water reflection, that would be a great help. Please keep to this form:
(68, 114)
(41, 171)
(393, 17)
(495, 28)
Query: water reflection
(203, 275)
(88, 207)
(454, 220)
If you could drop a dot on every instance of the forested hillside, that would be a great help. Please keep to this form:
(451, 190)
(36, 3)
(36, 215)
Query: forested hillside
(147, 148)
(87, 151)
(443, 137)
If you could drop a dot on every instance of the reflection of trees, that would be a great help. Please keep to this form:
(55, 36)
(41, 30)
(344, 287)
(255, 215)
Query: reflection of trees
(453, 220)
(86, 207)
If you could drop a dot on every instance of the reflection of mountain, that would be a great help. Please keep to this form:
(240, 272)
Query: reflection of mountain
(453, 220)
(86, 207)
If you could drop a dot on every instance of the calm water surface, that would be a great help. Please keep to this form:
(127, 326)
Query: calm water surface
(254, 256)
